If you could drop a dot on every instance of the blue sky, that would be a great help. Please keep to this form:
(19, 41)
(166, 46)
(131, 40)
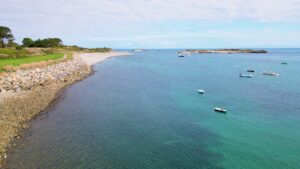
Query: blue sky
(157, 23)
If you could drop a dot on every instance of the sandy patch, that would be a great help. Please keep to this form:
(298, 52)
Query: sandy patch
(93, 58)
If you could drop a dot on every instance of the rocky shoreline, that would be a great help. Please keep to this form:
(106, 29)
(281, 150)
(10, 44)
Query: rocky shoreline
(26, 93)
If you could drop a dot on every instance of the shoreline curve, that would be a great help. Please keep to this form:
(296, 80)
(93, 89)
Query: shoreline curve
(19, 108)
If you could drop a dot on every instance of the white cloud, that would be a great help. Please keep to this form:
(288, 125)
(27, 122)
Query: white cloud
(109, 11)
(132, 22)
(267, 37)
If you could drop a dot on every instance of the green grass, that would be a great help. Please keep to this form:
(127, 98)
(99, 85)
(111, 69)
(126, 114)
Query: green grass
(28, 59)
(12, 53)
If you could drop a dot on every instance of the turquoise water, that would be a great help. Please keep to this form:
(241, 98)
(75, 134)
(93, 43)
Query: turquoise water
(143, 112)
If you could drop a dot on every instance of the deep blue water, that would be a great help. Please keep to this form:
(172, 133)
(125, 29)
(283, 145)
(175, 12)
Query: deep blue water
(143, 112)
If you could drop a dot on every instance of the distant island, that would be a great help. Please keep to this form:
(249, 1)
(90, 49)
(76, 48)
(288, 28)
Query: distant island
(224, 51)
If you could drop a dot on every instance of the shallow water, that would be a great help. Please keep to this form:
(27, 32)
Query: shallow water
(143, 112)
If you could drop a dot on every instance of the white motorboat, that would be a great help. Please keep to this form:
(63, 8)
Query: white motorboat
(138, 50)
(201, 91)
(251, 70)
(271, 73)
(220, 110)
(246, 75)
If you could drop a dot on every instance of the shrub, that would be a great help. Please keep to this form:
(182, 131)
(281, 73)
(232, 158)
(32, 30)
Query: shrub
(19, 47)
(27, 42)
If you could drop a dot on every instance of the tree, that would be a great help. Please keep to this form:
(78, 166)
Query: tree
(37, 43)
(12, 44)
(47, 43)
(56, 42)
(5, 36)
(27, 42)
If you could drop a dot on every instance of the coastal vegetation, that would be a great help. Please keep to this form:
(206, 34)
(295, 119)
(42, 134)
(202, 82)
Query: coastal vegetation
(42, 43)
(30, 51)
(26, 60)
(7, 41)
(6, 36)
(10, 58)
(75, 48)
(12, 53)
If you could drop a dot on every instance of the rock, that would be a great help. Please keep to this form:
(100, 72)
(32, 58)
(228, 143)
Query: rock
(9, 79)
(18, 90)
(15, 87)
(37, 70)
(6, 86)
(30, 78)
(2, 90)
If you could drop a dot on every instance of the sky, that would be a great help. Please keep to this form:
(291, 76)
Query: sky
(127, 24)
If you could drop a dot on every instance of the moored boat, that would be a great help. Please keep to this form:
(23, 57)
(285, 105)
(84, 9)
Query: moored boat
(284, 63)
(183, 53)
(270, 73)
(220, 110)
(201, 91)
(246, 75)
(251, 70)
(138, 50)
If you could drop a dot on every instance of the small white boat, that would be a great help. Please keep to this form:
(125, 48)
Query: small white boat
(220, 110)
(201, 91)
(138, 50)
(246, 75)
(271, 73)
(183, 54)
(251, 70)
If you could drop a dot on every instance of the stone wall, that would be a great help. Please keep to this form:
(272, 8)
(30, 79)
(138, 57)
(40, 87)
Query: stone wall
(31, 78)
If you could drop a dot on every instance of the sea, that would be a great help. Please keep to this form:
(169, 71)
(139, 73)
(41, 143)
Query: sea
(143, 112)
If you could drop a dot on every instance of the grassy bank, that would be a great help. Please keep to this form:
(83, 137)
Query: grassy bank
(12, 58)
(28, 59)
(12, 53)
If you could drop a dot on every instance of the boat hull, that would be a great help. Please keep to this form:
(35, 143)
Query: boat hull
(218, 110)
(271, 74)
(246, 76)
